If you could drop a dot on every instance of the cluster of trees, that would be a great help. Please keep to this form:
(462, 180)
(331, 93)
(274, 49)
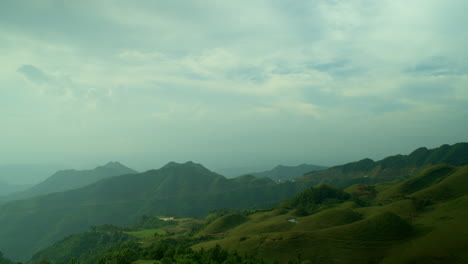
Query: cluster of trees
(4, 260)
(171, 252)
(316, 198)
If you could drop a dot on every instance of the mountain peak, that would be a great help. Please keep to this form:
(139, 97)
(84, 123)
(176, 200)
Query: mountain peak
(188, 164)
(115, 165)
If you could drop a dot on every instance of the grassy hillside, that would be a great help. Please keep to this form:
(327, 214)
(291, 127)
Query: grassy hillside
(398, 167)
(421, 220)
(406, 222)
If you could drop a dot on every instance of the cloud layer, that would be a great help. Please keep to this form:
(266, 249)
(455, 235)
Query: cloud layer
(256, 82)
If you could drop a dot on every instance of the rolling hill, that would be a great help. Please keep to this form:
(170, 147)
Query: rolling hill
(419, 220)
(72, 179)
(391, 168)
(29, 225)
(190, 189)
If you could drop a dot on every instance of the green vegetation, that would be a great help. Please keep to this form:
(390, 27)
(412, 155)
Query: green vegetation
(176, 189)
(316, 198)
(418, 225)
(424, 216)
(4, 260)
(398, 167)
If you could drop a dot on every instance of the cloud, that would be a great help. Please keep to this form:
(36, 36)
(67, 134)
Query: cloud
(34, 74)
(271, 68)
(436, 66)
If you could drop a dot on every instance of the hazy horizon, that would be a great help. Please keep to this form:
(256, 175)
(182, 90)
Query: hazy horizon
(244, 84)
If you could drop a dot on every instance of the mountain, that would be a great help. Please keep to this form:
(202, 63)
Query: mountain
(282, 173)
(419, 220)
(8, 188)
(392, 168)
(72, 179)
(190, 189)
(29, 225)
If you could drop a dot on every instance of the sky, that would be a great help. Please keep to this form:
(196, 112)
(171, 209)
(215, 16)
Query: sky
(229, 83)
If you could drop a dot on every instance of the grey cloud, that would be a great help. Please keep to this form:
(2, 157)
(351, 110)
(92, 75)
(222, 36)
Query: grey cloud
(340, 68)
(34, 74)
(436, 66)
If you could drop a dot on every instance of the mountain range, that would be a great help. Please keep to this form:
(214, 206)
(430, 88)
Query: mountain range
(390, 168)
(283, 173)
(29, 225)
(189, 189)
(415, 221)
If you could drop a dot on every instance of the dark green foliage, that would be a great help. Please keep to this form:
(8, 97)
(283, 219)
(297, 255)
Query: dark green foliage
(181, 253)
(119, 256)
(151, 222)
(316, 198)
(4, 260)
(83, 246)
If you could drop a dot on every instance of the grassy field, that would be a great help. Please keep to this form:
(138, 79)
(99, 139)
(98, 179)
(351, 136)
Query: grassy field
(421, 220)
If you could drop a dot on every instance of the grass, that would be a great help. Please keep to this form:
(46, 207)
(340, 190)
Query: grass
(224, 223)
(397, 230)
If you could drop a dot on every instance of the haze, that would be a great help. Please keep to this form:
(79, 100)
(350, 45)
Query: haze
(229, 84)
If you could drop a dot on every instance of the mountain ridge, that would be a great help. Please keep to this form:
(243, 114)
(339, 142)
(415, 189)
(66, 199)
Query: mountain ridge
(404, 166)
(178, 189)
(282, 172)
(64, 180)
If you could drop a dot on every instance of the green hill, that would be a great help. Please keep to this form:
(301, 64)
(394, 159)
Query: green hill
(72, 179)
(189, 189)
(420, 220)
(392, 168)
(405, 222)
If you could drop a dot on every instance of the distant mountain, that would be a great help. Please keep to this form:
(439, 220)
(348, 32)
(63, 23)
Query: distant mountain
(21, 174)
(8, 188)
(233, 172)
(188, 189)
(71, 179)
(390, 168)
(281, 172)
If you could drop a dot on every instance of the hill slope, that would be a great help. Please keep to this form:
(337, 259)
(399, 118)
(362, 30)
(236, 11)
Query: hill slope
(72, 179)
(408, 222)
(27, 226)
(391, 168)
(420, 220)
(283, 173)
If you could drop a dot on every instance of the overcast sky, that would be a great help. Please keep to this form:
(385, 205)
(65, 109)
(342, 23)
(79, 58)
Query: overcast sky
(230, 83)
